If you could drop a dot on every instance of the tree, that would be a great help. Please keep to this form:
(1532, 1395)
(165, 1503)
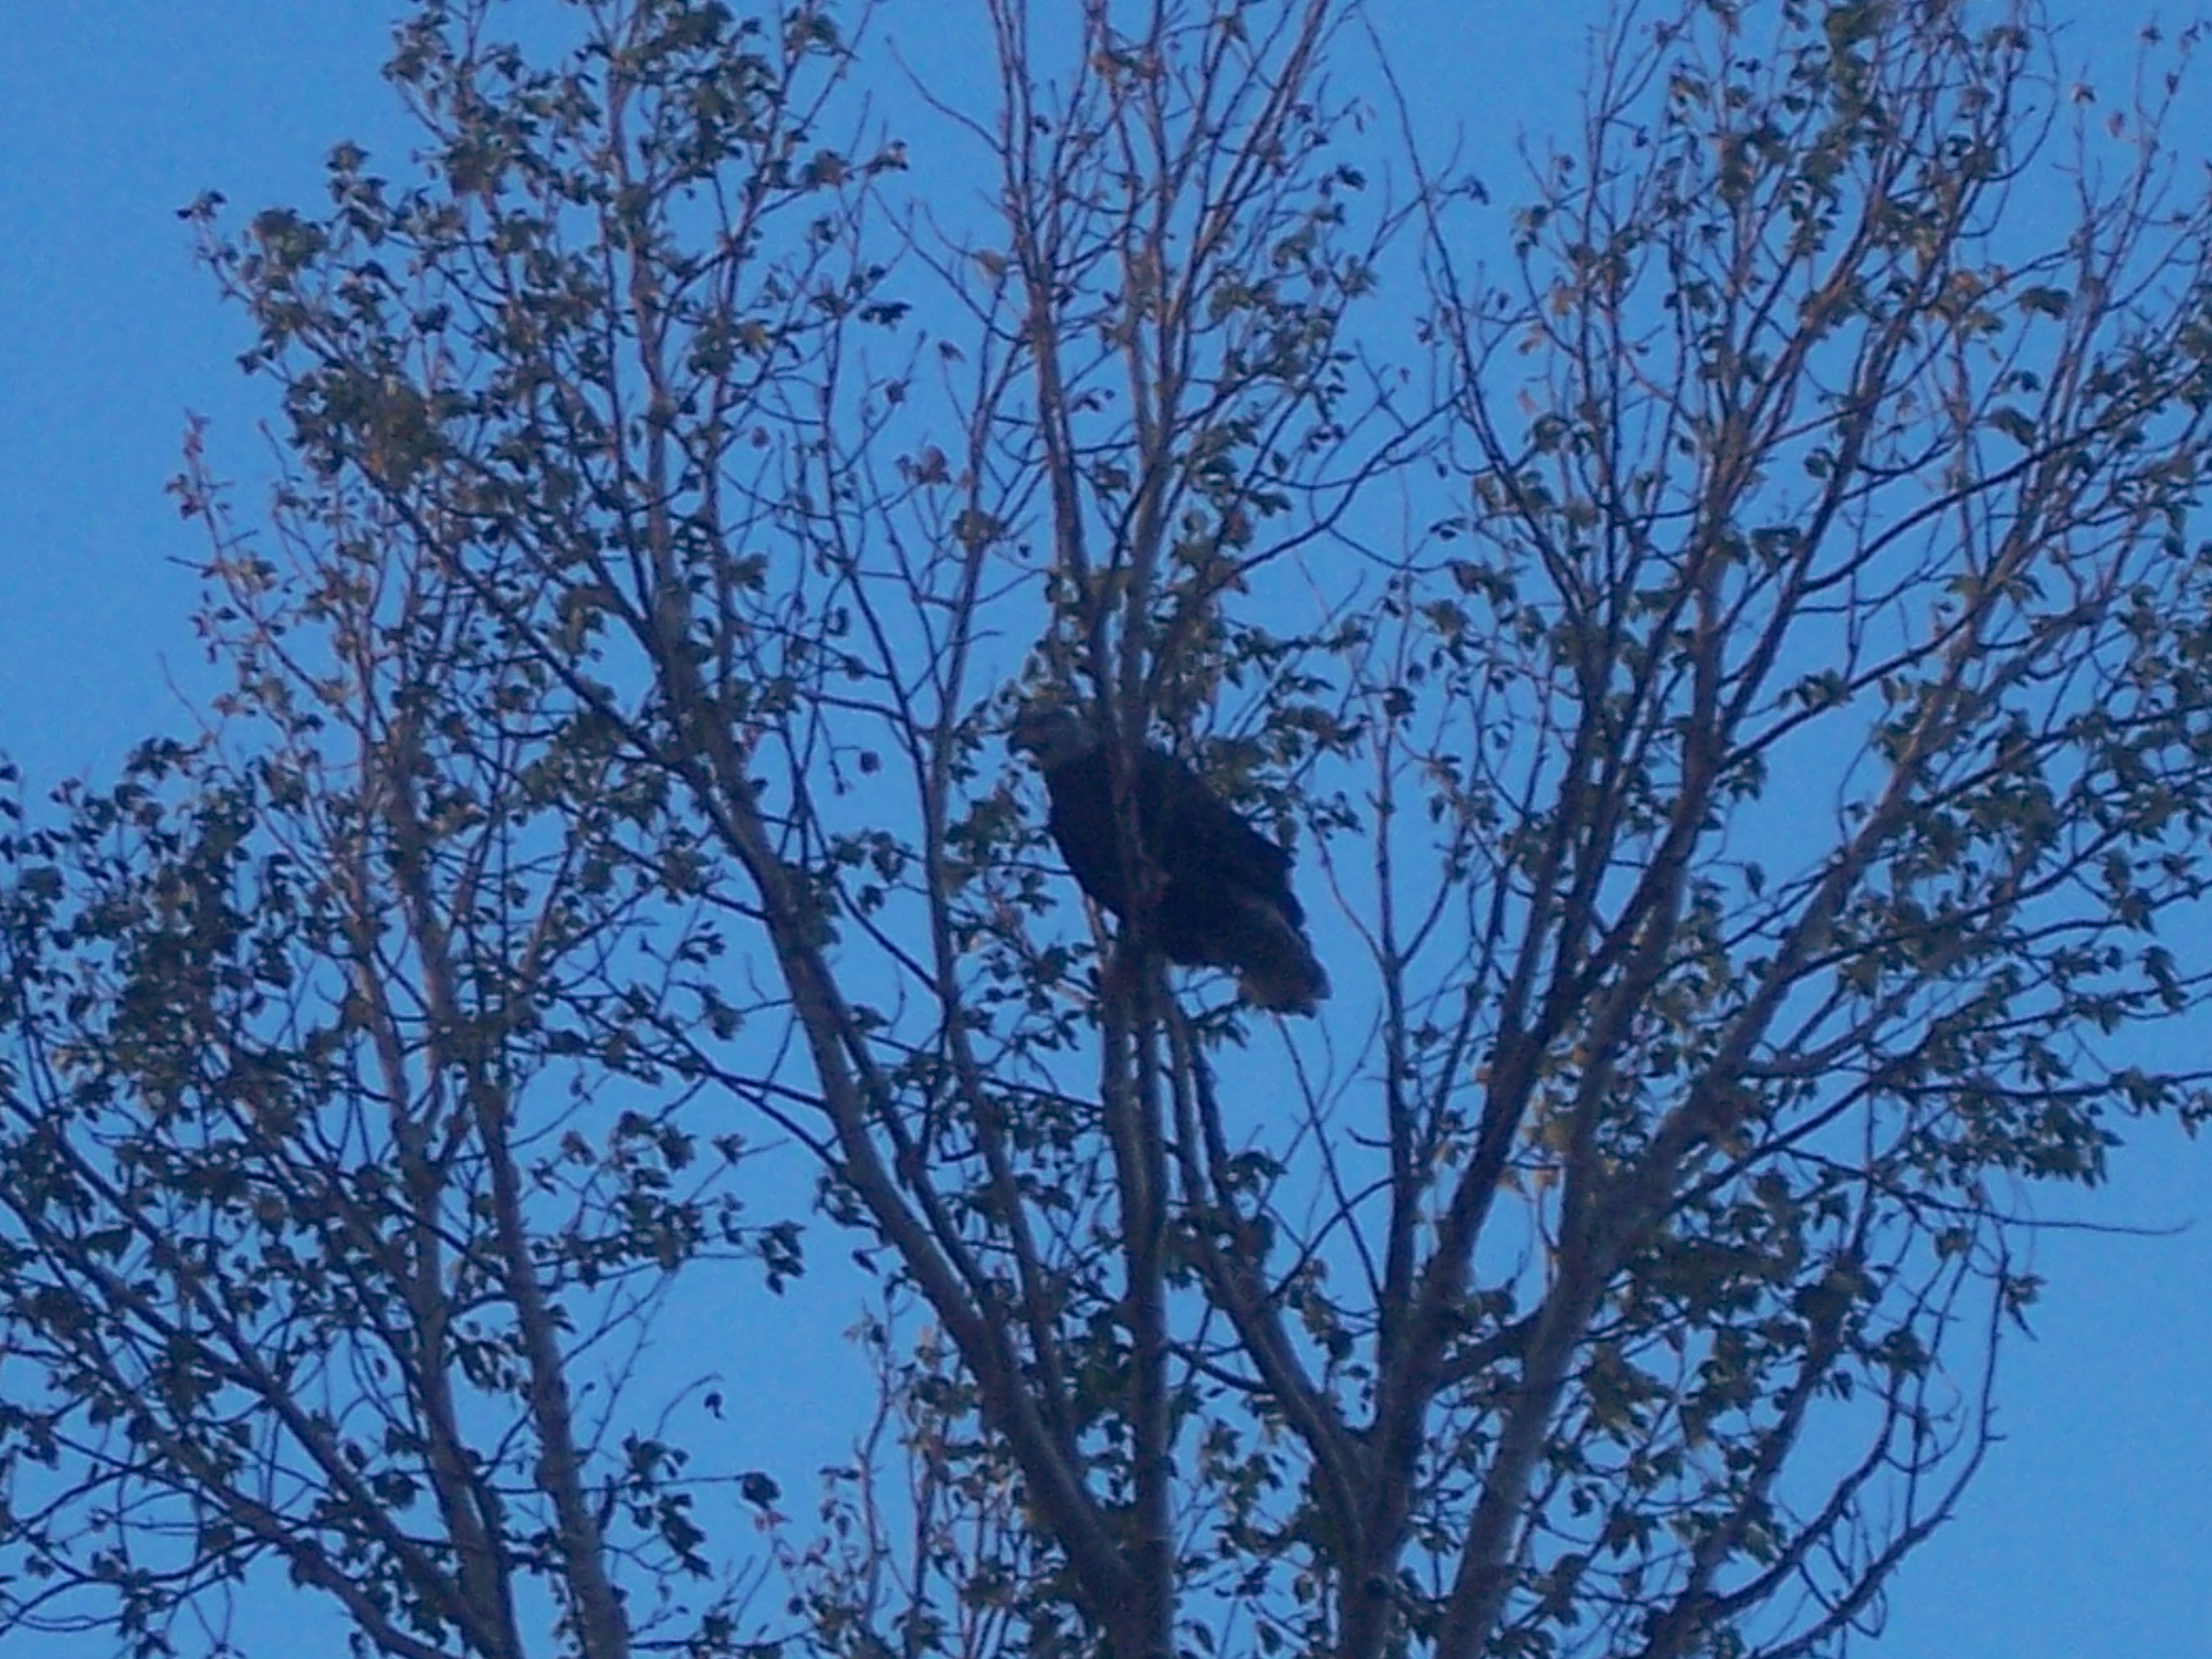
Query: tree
(1745, 805)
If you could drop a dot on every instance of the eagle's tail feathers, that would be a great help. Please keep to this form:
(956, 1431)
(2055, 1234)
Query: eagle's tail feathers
(1275, 968)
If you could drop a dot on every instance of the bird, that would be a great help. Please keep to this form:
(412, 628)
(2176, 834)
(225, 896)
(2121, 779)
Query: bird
(1222, 897)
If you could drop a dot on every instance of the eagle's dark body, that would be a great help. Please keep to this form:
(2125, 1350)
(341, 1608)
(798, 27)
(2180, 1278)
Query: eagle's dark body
(1224, 896)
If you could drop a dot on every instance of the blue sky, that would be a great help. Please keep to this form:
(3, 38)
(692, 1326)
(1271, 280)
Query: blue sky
(2086, 1537)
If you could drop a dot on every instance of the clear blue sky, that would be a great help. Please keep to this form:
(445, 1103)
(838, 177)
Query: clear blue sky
(2087, 1536)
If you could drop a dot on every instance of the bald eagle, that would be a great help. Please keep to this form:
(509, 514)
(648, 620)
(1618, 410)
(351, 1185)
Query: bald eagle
(1223, 899)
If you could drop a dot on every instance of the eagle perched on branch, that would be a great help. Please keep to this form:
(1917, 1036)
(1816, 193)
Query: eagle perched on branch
(1223, 897)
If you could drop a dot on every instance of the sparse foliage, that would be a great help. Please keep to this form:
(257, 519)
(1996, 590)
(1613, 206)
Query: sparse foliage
(1733, 657)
